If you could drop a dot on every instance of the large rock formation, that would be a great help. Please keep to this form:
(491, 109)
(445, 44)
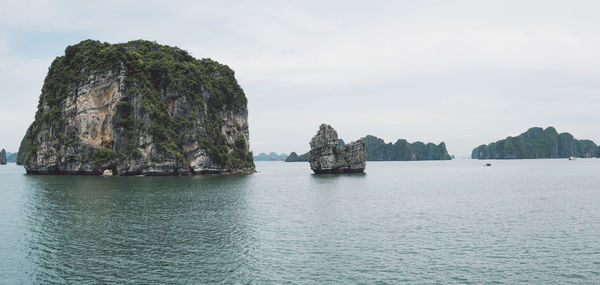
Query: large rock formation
(137, 108)
(2, 156)
(326, 156)
(537, 143)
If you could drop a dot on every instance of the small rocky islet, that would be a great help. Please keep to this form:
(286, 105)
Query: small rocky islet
(137, 108)
(328, 157)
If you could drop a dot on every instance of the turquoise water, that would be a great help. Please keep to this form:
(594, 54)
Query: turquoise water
(528, 221)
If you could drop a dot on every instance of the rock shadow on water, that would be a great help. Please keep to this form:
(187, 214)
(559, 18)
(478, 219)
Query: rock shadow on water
(334, 178)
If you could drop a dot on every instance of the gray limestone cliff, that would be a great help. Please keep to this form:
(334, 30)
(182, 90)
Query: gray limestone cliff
(137, 108)
(327, 156)
(3, 156)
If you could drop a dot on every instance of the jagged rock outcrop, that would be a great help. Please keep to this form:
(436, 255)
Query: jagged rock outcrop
(137, 108)
(326, 156)
(537, 143)
(294, 157)
(2, 156)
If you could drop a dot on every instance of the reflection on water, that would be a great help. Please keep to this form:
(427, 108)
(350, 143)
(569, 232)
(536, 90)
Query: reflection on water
(112, 229)
(401, 222)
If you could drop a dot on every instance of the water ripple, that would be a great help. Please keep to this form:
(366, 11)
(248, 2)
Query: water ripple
(418, 222)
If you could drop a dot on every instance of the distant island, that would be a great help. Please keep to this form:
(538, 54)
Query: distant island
(270, 157)
(401, 150)
(294, 157)
(11, 156)
(137, 108)
(537, 143)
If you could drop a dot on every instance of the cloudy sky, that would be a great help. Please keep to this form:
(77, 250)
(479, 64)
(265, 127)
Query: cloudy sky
(462, 72)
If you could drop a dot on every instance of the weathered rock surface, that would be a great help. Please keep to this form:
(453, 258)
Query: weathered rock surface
(3, 156)
(137, 108)
(326, 156)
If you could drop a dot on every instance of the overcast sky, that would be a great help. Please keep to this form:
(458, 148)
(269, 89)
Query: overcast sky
(462, 72)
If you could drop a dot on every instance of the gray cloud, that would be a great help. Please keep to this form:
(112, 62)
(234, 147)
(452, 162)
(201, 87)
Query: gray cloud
(463, 72)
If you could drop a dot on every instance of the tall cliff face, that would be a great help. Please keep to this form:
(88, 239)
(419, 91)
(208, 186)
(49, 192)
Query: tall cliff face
(138, 108)
(2, 156)
(537, 143)
(327, 156)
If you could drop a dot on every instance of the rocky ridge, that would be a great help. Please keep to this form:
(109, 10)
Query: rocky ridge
(326, 156)
(537, 143)
(402, 150)
(378, 150)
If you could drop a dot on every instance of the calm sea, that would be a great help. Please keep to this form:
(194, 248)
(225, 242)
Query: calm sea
(526, 221)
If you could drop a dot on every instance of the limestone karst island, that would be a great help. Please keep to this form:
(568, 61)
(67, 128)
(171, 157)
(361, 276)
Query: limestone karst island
(328, 157)
(537, 143)
(137, 108)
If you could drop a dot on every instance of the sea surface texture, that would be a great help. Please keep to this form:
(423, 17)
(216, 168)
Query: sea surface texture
(521, 221)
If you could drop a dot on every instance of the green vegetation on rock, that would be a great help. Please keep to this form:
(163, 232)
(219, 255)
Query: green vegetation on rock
(294, 157)
(240, 158)
(104, 155)
(537, 143)
(378, 150)
(154, 77)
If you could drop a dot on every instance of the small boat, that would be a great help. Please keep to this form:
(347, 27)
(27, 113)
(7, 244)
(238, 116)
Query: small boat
(488, 164)
(572, 158)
